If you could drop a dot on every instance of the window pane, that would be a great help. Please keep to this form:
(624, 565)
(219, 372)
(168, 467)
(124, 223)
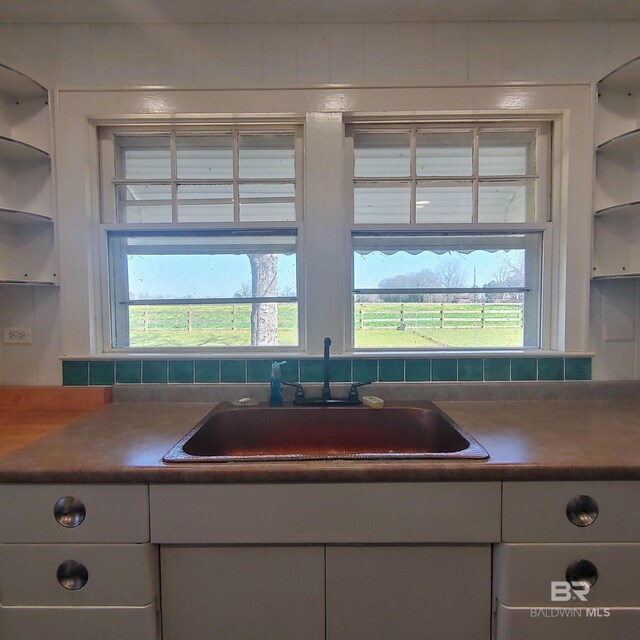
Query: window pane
(267, 202)
(144, 202)
(508, 153)
(437, 321)
(205, 157)
(193, 325)
(143, 157)
(388, 315)
(444, 154)
(197, 267)
(267, 156)
(383, 204)
(381, 155)
(444, 203)
(205, 203)
(442, 262)
(505, 202)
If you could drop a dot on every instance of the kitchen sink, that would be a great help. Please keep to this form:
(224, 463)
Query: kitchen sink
(399, 431)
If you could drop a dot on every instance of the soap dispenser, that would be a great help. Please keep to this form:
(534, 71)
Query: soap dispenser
(275, 397)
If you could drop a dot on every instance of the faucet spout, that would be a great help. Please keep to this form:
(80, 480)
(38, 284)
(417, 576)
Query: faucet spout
(326, 389)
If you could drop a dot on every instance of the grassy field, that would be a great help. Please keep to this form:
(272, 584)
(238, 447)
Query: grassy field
(376, 325)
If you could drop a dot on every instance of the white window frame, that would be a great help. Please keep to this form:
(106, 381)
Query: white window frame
(538, 316)
(110, 225)
(79, 112)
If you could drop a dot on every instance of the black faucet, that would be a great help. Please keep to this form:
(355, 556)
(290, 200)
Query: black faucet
(326, 399)
(326, 389)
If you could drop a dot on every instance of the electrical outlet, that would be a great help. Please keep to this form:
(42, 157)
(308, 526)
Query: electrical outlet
(18, 335)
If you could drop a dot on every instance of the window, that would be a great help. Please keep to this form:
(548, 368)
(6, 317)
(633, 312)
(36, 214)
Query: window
(449, 226)
(201, 233)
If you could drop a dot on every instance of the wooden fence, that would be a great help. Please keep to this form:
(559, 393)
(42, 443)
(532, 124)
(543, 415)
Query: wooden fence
(367, 316)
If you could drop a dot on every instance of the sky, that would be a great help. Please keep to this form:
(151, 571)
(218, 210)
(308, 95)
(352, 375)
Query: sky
(201, 276)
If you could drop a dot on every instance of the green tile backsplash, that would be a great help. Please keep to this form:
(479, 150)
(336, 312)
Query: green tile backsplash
(469, 370)
(154, 371)
(128, 371)
(181, 371)
(207, 371)
(75, 374)
(497, 369)
(202, 371)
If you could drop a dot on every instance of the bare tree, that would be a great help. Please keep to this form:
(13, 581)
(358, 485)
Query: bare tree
(424, 278)
(451, 277)
(508, 273)
(264, 283)
(244, 291)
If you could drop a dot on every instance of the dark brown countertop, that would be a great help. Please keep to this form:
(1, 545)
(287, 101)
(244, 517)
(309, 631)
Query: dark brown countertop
(27, 414)
(526, 440)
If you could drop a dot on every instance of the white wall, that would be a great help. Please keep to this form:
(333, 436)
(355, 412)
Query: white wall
(615, 328)
(256, 56)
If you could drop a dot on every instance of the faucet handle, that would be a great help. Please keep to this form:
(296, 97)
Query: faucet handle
(353, 390)
(298, 387)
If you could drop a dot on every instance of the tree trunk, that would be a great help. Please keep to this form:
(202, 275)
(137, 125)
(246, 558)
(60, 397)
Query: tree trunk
(264, 316)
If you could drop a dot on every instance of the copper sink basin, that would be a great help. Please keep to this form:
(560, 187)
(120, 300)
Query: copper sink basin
(262, 433)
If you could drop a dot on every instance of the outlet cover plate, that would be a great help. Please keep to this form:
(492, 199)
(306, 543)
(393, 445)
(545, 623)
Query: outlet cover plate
(18, 335)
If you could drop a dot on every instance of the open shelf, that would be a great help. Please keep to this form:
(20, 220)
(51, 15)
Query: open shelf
(624, 79)
(15, 216)
(16, 151)
(30, 283)
(625, 144)
(616, 222)
(625, 209)
(16, 86)
(28, 253)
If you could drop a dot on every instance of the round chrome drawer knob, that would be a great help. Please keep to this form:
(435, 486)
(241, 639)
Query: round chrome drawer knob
(582, 511)
(583, 573)
(69, 512)
(72, 575)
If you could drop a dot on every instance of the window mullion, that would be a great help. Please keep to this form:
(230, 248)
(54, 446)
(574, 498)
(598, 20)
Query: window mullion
(475, 159)
(412, 171)
(174, 176)
(236, 176)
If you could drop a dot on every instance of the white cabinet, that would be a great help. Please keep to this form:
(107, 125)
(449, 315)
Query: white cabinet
(78, 575)
(408, 592)
(27, 238)
(241, 593)
(329, 513)
(570, 512)
(79, 623)
(41, 513)
(382, 561)
(582, 537)
(616, 244)
(75, 562)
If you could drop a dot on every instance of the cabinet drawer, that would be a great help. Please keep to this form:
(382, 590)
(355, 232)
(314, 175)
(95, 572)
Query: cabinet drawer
(74, 513)
(78, 575)
(79, 623)
(524, 623)
(326, 513)
(571, 512)
(523, 573)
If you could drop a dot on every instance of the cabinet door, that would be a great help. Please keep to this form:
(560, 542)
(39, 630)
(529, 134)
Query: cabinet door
(404, 593)
(243, 593)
